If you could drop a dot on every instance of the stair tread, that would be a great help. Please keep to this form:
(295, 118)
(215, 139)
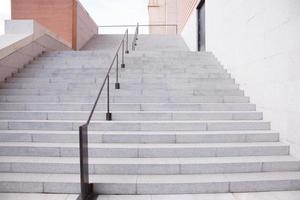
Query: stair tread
(145, 145)
(139, 132)
(146, 112)
(140, 121)
(152, 179)
(160, 161)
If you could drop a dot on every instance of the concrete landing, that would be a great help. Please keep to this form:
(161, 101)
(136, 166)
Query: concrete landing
(110, 42)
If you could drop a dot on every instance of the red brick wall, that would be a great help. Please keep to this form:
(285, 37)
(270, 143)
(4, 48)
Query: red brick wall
(56, 15)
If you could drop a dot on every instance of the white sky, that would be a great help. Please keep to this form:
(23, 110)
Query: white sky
(4, 13)
(104, 12)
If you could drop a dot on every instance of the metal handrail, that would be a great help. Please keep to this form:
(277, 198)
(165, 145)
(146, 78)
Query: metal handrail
(135, 38)
(86, 186)
(140, 25)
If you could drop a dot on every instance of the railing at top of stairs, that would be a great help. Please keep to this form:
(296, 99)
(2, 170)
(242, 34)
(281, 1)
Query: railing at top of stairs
(141, 25)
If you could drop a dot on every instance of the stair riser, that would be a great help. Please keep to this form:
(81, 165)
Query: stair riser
(137, 81)
(150, 99)
(130, 116)
(124, 93)
(129, 70)
(94, 86)
(136, 126)
(136, 62)
(146, 67)
(127, 107)
(93, 75)
(146, 152)
(150, 169)
(145, 188)
(138, 138)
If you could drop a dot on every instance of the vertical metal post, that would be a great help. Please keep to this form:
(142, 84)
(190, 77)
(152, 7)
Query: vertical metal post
(86, 187)
(133, 44)
(123, 48)
(127, 51)
(137, 31)
(117, 84)
(176, 29)
(108, 114)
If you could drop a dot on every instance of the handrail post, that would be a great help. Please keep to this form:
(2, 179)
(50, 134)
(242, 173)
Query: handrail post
(127, 51)
(135, 38)
(108, 113)
(86, 186)
(117, 84)
(133, 44)
(123, 48)
(137, 32)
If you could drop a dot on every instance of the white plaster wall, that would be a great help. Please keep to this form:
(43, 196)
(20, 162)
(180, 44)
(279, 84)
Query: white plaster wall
(22, 42)
(259, 42)
(189, 32)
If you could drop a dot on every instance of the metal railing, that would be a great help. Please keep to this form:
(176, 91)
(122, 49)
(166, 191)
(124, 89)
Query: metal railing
(86, 186)
(135, 37)
(141, 25)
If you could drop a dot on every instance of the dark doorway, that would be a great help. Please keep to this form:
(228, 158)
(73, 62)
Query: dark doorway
(201, 25)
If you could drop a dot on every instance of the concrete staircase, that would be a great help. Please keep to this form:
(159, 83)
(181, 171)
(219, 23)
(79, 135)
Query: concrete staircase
(180, 125)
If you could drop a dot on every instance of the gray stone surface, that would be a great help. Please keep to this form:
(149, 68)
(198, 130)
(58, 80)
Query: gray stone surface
(181, 125)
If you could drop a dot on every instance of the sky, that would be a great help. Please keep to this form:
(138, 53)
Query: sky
(4, 13)
(104, 12)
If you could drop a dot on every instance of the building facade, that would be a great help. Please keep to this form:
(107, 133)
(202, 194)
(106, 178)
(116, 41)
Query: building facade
(257, 41)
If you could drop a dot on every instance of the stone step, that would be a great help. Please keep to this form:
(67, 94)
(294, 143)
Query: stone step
(150, 166)
(128, 70)
(145, 66)
(123, 75)
(134, 150)
(127, 92)
(137, 80)
(152, 184)
(128, 107)
(132, 115)
(96, 58)
(108, 60)
(126, 86)
(64, 125)
(157, 53)
(140, 136)
(118, 99)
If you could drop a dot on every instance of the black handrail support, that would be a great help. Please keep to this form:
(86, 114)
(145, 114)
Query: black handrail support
(135, 37)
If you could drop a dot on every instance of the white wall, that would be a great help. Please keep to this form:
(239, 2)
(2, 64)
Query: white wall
(22, 42)
(189, 32)
(259, 42)
(5, 10)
